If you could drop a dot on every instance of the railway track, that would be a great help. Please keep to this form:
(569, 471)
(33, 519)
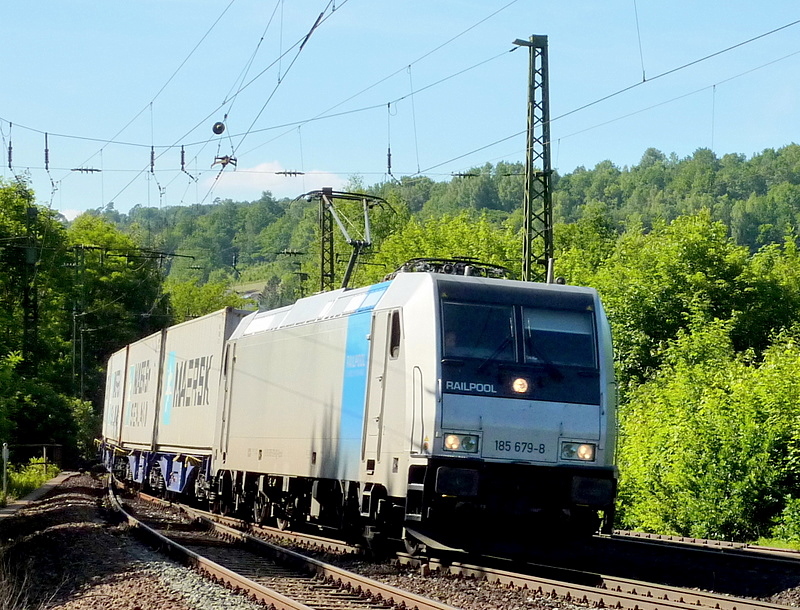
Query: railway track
(603, 592)
(570, 585)
(262, 571)
(722, 546)
(297, 540)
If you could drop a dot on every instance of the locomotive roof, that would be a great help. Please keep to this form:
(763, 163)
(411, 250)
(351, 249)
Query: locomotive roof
(346, 301)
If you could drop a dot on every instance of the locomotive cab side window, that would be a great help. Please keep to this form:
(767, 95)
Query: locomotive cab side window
(394, 336)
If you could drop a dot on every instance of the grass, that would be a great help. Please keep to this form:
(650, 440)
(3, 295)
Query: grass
(25, 478)
(779, 544)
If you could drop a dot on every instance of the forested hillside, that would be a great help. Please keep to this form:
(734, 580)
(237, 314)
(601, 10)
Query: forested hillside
(229, 242)
(696, 260)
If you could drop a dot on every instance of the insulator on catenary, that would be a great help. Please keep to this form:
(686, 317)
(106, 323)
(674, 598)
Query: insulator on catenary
(183, 163)
(46, 154)
(152, 159)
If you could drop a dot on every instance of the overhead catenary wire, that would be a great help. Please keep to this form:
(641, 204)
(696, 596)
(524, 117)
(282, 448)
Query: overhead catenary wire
(639, 37)
(230, 97)
(236, 87)
(626, 89)
(575, 110)
(496, 142)
(164, 86)
(413, 116)
(241, 88)
(234, 149)
(323, 115)
(377, 106)
(176, 143)
(657, 105)
(500, 141)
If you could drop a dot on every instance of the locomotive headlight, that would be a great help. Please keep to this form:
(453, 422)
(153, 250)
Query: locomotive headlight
(452, 442)
(467, 443)
(583, 452)
(520, 385)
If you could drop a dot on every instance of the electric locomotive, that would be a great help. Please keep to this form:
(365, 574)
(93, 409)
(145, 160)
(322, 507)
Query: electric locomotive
(416, 407)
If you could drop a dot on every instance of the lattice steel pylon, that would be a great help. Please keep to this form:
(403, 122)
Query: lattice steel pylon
(537, 248)
(326, 277)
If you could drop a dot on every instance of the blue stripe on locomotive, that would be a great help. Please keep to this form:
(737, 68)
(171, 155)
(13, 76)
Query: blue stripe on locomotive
(354, 387)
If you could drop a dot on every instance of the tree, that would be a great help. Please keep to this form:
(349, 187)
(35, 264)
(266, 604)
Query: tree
(653, 283)
(117, 298)
(189, 300)
(709, 446)
(448, 237)
(33, 284)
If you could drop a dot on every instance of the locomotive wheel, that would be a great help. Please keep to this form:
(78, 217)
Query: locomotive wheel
(259, 511)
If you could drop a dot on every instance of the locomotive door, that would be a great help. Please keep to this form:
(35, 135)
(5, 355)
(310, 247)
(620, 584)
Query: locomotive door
(384, 346)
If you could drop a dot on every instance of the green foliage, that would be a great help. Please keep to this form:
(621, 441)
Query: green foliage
(24, 479)
(68, 297)
(651, 283)
(116, 297)
(448, 237)
(708, 447)
(32, 412)
(8, 378)
(696, 260)
(787, 525)
(189, 300)
(32, 263)
(88, 424)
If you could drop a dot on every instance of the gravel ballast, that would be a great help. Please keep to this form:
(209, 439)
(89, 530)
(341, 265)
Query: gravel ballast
(61, 553)
(68, 552)
(69, 556)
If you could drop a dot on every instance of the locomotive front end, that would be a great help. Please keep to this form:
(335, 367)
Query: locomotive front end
(525, 431)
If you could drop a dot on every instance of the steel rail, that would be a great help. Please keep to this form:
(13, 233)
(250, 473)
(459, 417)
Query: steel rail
(317, 543)
(606, 591)
(301, 539)
(744, 549)
(212, 569)
(613, 592)
(343, 579)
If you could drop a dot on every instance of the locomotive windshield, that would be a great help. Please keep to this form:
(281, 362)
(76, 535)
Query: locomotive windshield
(478, 331)
(501, 332)
(558, 337)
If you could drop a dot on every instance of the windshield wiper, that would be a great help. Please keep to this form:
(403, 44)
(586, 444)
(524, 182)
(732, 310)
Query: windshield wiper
(552, 370)
(496, 352)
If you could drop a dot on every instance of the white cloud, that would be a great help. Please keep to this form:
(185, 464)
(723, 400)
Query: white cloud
(70, 214)
(247, 183)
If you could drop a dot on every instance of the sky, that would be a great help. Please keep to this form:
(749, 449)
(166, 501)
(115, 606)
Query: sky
(116, 102)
